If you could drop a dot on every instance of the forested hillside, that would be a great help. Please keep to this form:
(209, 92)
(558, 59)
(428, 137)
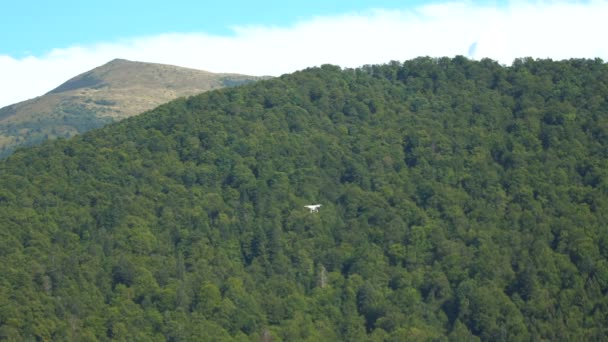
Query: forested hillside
(461, 201)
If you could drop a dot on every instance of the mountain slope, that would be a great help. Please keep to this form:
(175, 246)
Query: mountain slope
(111, 92)
(461, 201)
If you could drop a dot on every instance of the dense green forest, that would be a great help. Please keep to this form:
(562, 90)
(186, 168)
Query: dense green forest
(462, 200)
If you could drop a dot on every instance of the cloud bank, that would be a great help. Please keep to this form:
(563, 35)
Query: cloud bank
(544, 29)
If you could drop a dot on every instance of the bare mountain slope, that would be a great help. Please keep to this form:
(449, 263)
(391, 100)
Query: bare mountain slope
(108, 93)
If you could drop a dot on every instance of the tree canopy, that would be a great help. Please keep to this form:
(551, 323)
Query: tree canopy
(462, 200)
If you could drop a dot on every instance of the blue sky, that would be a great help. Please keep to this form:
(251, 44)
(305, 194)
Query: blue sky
(36, 27)
(44, 43)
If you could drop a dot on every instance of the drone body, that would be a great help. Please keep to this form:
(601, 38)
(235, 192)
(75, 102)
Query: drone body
(313, 207)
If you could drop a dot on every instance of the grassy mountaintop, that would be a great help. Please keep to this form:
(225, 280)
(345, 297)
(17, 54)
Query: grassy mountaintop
(111, 92)
(462, 201)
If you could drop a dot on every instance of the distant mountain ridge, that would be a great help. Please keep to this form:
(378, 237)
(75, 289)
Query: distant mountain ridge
(108, 93)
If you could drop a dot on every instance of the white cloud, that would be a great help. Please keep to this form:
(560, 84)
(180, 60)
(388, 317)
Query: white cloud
(542, 29)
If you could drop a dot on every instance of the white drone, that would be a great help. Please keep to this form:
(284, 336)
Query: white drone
(313, 207)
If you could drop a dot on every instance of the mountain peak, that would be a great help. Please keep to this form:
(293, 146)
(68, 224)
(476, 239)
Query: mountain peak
(119, 60)
(121, 63)
(112, 91)
(95, 78)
